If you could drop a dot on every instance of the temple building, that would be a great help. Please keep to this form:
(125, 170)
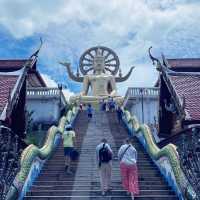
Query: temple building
(23, 95)
(13, 82)
(23, 89)
(13, 85)
(34, 78)
(184, 64)
(179, 85)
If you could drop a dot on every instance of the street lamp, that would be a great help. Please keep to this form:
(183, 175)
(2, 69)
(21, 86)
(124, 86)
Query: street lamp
(60, 91)
(142, 98)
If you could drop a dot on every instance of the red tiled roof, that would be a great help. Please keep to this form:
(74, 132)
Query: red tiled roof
(185, 62)
(7, 83)
(189, 87)
(11, 65)
(34, 78)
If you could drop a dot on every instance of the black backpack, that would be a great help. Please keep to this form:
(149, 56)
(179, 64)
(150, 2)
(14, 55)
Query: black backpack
(104, 155)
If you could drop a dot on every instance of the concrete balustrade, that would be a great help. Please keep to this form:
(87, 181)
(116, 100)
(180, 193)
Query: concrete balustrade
(45, 92)
(139, 91)
(50, 101)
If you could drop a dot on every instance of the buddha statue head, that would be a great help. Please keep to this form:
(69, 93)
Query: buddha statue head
(99, 62)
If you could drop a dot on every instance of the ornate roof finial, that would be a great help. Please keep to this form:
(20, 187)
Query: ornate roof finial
(35, 54)
(152, 57)
(159, 66)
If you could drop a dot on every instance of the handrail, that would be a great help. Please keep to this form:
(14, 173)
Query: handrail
(146, 91)
(33, 158)
(173, 138)
(175, 176)
(43, 88)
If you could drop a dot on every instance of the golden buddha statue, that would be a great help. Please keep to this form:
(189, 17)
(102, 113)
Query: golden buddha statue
(99, 66)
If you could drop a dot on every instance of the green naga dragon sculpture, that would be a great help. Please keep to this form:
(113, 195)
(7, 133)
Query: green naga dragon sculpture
(169, 153)
(32, 155)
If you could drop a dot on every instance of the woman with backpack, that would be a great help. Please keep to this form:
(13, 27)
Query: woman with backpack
(127, 155)
(104, 159)
(68, 144)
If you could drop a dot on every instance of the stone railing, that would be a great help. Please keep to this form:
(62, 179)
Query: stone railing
(138, 91)
(45, 93)
(166, 158)
(145, 92)
(33, 158)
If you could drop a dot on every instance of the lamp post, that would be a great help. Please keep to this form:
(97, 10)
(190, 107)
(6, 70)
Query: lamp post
(60, 91)
(142, 102)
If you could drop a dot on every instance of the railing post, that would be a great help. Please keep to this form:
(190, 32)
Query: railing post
(60, 91)
(142, 102)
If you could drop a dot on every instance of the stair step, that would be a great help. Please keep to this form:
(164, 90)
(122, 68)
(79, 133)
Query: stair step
(117, 186)
(60, 178)
(53, 183)
(36, 192)
(142, 168)
(144, 174)
(108, 197)
(85, 182)
(85, 163)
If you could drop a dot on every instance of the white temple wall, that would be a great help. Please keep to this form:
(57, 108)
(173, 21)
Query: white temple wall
(150, 113)
(46, 104)
(150, 110)
(45, 111)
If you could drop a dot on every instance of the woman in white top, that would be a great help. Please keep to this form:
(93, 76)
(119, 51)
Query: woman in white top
(127, 155)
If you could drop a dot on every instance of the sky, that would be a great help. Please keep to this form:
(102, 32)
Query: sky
(129, 27)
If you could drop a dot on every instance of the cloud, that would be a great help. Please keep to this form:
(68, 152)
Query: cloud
(51, 83)
(129, 27)
(67, 93)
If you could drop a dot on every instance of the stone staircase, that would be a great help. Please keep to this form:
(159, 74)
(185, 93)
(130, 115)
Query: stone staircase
(53, 183)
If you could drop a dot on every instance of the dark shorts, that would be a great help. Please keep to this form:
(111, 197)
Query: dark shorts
(68, 150)
(89, 115)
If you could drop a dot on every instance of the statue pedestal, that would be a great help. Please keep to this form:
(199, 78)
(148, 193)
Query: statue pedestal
(94, 100)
